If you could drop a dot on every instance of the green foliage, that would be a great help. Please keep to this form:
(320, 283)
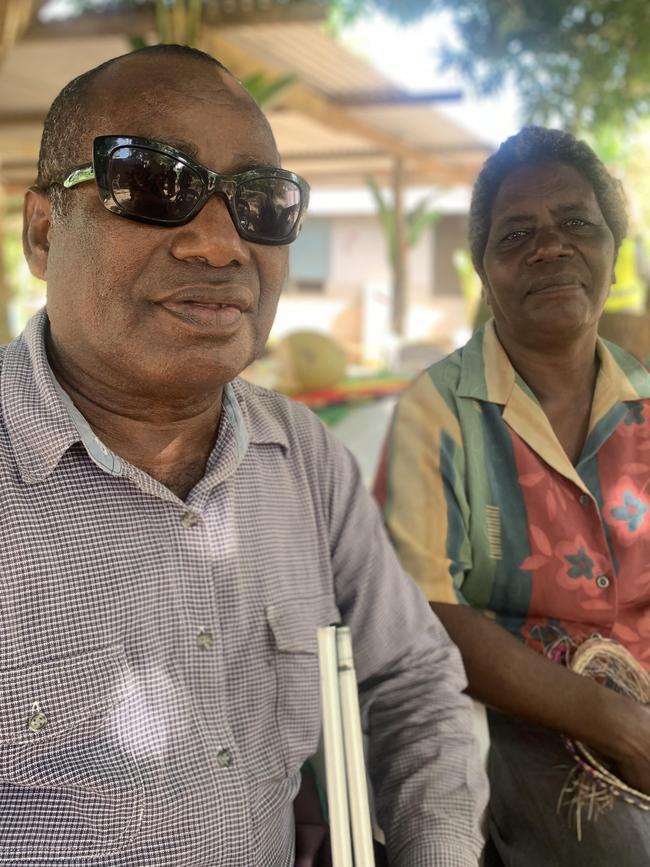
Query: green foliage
(580, 64)
(266, 89)
(417, 220)
(179, 20)
(343, 12)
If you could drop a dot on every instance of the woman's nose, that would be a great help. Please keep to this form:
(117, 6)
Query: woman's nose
(549, 244)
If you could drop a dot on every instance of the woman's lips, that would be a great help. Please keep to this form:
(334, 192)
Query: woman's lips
(556, 284)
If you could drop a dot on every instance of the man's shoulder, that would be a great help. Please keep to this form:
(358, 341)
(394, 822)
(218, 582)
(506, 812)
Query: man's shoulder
(267, 401)
(271, 414)
(3, 354)
(310, 448)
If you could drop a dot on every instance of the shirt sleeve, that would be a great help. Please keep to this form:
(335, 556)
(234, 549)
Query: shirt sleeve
(420, 486)
(430, 789)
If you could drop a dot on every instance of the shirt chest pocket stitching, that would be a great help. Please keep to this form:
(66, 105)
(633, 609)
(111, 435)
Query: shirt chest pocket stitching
(66, 692)
(56, 742)
(294, 628)
(295, 625)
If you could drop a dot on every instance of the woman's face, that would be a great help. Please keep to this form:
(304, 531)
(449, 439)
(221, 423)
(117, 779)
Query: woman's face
(549, 259)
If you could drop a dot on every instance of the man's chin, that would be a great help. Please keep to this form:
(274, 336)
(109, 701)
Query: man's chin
(178, 373)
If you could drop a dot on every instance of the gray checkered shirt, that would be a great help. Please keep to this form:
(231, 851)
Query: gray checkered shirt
(158, 662)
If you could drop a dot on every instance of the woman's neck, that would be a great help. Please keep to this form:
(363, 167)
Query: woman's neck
(554, 372)
(563, 379)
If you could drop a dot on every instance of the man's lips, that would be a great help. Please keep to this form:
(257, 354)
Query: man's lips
(214, 309)
(212, 316)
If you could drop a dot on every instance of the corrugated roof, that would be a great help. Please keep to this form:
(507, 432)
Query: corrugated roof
(318, 134)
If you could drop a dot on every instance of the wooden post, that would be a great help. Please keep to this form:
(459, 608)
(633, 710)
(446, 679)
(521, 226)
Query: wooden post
(5, 335)
(399, 252)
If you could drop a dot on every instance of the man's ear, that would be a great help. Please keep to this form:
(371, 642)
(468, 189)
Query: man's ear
(37, 222)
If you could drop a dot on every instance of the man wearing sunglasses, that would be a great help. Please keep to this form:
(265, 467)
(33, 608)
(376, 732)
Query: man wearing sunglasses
(173, 537)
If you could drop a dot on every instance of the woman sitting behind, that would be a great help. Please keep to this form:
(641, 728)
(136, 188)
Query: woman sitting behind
(516, 481)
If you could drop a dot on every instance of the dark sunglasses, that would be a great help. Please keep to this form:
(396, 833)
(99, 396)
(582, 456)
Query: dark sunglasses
(155, 183)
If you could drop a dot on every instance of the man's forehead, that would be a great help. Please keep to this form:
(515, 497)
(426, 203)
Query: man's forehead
(192, 105)
(144, 86)
(146, 72)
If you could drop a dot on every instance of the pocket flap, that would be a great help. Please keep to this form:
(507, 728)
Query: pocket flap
(49, 699)
(295, 624)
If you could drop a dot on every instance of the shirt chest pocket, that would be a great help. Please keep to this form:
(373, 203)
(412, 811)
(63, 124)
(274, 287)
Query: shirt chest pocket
(69, 786)
(294, 627)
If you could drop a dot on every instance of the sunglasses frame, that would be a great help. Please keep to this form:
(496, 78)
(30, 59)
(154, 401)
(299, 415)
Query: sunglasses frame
(213, 183)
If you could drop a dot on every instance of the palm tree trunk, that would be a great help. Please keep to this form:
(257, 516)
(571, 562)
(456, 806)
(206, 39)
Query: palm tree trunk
(399, 258)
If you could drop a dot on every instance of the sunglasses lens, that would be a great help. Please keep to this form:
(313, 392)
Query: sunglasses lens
(153, 185)
(268, 208)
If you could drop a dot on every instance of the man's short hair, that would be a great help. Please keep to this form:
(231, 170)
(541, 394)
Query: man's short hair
(530, 146)
(70, 119)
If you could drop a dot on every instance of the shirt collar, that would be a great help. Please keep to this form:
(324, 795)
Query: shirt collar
(259, 411)
(487, 373)
(620, 378)
(43, 422)
(39, 426)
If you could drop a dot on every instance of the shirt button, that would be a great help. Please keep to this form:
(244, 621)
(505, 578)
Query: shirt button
(224, 758)
(189, 519)
(585, 499)
(602, 581)
(205, 639)
(37, 721)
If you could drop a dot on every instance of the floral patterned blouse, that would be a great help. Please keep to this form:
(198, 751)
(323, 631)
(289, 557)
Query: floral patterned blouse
(484, 506)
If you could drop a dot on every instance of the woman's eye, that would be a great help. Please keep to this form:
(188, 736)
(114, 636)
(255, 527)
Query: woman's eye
(575, 223)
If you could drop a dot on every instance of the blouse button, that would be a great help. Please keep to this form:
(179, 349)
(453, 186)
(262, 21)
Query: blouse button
(603, 582)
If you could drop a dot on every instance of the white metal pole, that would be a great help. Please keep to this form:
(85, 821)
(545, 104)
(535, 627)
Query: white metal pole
(364, 855)
(337, 794)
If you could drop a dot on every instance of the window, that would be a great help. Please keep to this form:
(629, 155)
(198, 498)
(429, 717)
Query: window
(310, 256)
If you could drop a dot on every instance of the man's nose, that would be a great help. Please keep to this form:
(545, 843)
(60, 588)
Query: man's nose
(211, 237)
(550, 244)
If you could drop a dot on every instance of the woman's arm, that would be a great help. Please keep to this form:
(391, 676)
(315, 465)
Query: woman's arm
(511, 677)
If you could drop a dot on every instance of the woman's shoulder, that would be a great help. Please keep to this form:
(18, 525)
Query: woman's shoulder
(444, 377)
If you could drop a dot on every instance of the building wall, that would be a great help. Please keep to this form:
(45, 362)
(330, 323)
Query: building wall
(450, 235)
(340, 283)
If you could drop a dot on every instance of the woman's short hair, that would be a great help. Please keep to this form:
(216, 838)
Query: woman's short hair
(532, 145)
